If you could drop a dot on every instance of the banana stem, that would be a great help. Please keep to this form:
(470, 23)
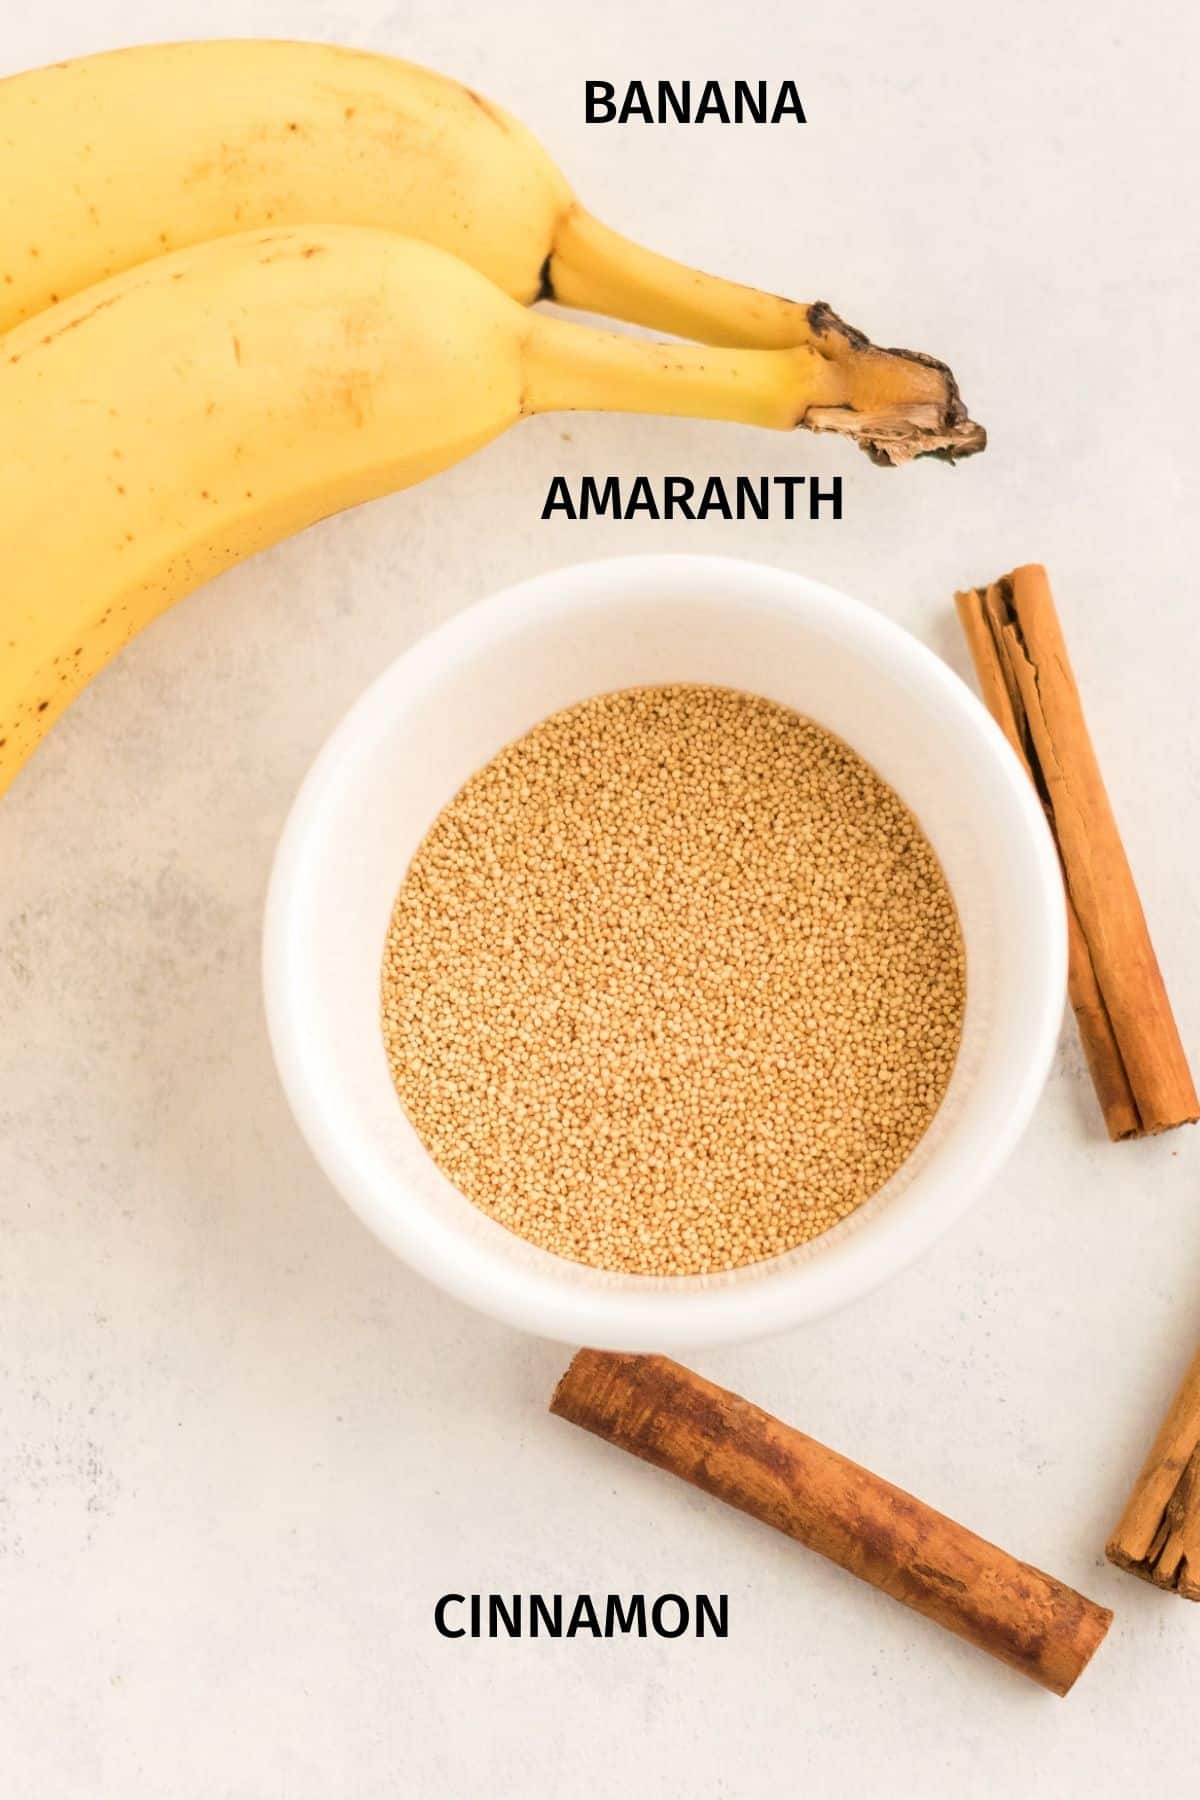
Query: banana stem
(571, 368)
(594, 269)
(895, 407)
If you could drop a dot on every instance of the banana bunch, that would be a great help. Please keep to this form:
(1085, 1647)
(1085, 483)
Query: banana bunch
(244, 285)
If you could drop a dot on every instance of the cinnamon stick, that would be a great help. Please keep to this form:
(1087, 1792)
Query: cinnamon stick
(1137, 1062)
(676, 1420)
(1158, 1537)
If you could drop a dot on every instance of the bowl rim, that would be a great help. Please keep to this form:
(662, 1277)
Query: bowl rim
(618, 1318)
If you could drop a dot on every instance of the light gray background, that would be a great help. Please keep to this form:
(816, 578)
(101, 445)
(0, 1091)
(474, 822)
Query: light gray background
(243, 1449)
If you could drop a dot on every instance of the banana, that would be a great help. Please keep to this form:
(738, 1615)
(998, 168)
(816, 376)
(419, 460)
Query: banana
(174, 419)
(111, 160)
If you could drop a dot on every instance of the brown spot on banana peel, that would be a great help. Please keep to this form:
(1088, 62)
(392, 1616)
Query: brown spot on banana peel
(545, 284)
(303, 252)
(485, 106)
(71, 325)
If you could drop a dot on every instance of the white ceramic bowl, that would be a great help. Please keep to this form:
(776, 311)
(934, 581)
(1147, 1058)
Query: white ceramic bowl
(485, 678)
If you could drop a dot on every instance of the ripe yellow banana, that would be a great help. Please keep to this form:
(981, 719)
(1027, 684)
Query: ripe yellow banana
(164, 424)
(114, 159)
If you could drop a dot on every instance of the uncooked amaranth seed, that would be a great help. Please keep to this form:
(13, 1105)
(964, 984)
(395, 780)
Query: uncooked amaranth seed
(674, 983)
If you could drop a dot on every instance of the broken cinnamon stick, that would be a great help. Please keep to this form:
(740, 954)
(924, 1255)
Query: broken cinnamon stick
(1158, 1537)
(676, 1420)
(1137, 1062)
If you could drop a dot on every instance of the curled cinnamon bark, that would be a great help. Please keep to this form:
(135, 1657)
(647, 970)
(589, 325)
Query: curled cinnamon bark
(1129, 1035)
(1158, 1537)
(673, 1418)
